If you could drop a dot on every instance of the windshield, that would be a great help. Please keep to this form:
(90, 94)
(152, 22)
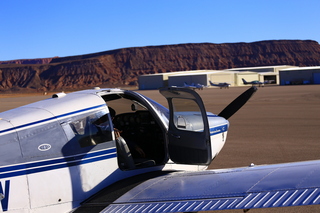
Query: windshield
(164, 112)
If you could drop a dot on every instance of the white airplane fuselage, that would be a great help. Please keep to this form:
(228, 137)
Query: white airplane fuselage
(53, 156)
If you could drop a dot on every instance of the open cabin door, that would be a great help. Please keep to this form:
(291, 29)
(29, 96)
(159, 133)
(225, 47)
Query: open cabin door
(188, 134)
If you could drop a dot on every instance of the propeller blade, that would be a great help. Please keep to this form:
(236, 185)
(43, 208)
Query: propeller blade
(237, 103)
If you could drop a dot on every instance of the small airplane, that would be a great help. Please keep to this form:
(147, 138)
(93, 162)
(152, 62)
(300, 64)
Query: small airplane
(221, 85)
(114, 150)
(256, 82)
(194, 86)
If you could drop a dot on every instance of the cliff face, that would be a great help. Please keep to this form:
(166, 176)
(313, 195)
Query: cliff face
(122, 66)
(29, 61)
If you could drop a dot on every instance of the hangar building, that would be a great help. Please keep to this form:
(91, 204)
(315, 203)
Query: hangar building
(232, 77)
(201, 77)
(267, 73)
(155, 81)
(283, 75)
(300, 75)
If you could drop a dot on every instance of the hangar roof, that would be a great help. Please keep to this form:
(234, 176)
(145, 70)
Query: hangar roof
(265, 67)
(268, 73)
(197, 73)
(301, 68)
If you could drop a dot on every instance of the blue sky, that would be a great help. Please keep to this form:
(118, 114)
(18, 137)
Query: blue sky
(47, 28)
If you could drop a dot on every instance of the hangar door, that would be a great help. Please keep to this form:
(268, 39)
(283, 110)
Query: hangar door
(179, 80)
(316, 78)
(222, 78)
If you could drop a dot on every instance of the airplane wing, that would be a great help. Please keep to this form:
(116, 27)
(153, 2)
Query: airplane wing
(278, 185)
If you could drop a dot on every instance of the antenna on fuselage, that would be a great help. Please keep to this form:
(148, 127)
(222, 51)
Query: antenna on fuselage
(59, 95)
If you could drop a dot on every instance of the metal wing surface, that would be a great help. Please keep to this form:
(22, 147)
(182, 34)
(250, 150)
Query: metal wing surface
(278, 185)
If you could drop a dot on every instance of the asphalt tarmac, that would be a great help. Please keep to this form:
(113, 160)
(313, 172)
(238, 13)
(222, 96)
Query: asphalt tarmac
(278, 124)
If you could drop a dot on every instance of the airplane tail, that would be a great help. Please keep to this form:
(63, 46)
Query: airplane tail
(244, 81)
(212, 84)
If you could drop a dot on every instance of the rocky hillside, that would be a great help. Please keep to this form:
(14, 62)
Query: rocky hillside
(122, 66)
(29, 61)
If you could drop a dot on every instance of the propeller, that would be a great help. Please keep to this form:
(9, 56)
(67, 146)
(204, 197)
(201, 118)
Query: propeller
(237, 103)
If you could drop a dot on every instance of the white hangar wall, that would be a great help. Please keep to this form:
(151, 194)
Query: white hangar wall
(162, 79)
(199, 77)
(266, 73)
(154, 81)
(300, 75)
(203, 77)
(248, 76)
(223, 77)
(233, 77)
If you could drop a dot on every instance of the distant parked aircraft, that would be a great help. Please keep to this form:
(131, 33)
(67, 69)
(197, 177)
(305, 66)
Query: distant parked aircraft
(221, 85)
(256, 82)
(194, 86)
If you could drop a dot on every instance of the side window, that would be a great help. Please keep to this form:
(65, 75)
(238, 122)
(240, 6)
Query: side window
(92, 130)
(187, 115)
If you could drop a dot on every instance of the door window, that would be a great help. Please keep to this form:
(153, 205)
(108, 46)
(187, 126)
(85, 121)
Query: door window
(187, 115)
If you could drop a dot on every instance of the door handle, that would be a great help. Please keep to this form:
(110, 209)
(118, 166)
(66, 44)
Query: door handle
(175, 136)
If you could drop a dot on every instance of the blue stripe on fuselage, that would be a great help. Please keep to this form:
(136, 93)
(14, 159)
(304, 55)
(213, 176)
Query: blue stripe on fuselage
(35, 167)
(5, 193)
(218, 129)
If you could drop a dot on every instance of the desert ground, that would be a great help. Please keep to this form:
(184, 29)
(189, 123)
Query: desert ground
(278, 124)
